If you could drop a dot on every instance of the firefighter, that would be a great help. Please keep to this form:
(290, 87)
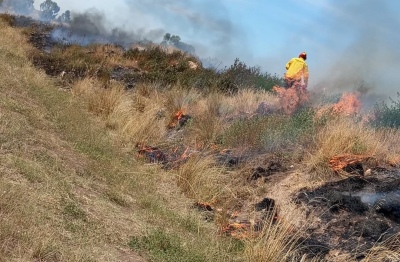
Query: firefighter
(297, 73)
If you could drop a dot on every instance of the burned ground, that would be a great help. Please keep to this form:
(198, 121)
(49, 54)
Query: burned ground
(354, 213)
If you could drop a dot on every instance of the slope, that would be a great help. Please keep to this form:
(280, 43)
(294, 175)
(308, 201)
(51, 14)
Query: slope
(67, 192)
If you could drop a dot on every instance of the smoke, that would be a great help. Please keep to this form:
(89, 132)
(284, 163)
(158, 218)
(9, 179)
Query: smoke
(91, 27)
(370, 56)
(351, 44)
(206, 25)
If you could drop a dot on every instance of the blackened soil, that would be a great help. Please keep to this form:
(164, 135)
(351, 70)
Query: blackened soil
(354, 213)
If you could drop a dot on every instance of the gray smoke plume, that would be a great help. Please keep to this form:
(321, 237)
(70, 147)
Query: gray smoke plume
(206, 25)
(370, 61)
(91, 27)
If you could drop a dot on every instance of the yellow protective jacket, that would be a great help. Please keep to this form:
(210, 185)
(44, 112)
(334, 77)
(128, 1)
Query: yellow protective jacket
(297, 68)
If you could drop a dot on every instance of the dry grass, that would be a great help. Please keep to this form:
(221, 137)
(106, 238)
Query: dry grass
(342, 135)
(390, 146)
(67, 193)
(178, 98)
(114, 55)
(207, 121)
(121, 110)
(246, 101)
(100, 101)
(278, 241)
(201, 179)
(387, 251)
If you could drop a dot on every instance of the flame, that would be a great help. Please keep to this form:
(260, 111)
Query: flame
(153, 154)
(340, 162)
(204, 206)
(349, 104)
(186, 153)
(179, 114)
(175, 119)
(237, 230)
(290, 98)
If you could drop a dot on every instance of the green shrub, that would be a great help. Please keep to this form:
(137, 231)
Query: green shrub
(173, 68)
(387, 115)
(239, 76)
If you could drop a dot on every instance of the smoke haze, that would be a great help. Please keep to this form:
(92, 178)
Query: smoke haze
(91, 27)
(351, 44)
(370, 54)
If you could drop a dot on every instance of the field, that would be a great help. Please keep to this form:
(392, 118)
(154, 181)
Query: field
(110, 154)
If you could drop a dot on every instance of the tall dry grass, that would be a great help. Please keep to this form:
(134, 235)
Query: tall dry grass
(207, 121)
(386, 251)
(344, 135)
(246, 101)
(278, 241)
(100, 101)
(133, 115)
(201, 179)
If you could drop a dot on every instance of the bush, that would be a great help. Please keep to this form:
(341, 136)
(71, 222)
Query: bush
(387, 115)
(239, 76)
(173, 68)
(9, 19)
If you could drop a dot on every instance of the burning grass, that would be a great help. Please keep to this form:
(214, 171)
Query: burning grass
(97, 189)
(349, 104)
(342, 135)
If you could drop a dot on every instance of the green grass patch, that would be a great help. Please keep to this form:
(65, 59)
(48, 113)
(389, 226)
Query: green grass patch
(72, 210)
(163, 246)
(30, 170)
(270, 132)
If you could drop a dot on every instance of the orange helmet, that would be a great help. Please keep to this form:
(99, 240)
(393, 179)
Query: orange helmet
(303, 55)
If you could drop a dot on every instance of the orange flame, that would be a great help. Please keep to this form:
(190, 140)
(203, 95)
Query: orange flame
(179, 114)
(349, 104)
(153, 154)
(290, 98)
(237, 230)
(340, 162)
(175, 119)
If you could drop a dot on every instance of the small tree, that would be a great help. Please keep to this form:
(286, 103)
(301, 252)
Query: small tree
(49, 10)
(175, 40)
(65, 17)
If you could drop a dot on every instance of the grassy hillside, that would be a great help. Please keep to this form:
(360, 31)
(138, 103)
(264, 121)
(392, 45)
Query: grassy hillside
(68, 192)
(80, 176)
